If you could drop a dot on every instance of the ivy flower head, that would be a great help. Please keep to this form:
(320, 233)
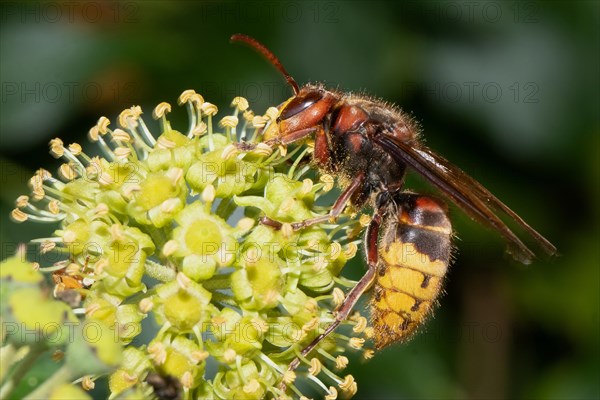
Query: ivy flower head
(166, 226)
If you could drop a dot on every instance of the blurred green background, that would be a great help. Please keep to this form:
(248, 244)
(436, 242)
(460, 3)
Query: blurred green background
(509, 91)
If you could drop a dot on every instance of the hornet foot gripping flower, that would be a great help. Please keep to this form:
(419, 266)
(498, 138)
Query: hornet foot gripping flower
(161, 247)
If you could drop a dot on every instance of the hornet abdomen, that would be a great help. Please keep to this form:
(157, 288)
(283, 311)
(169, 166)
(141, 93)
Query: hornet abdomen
(413, 258)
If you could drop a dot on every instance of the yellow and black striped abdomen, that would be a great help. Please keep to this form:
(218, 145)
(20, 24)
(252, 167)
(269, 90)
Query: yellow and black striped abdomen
(414, 253)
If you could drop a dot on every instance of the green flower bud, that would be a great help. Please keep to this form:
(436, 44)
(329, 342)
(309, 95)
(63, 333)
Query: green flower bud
(124, 261)
(248, 336)
(80, 188)
(198, 267)
(129, 320)
(183, 355)
(175, 138)
(244, 383)
(76, 235)
(102, 308)
(184, 304)
(206, 236)
(160, 197)
(120, 174)
(258, 285)
(133, 368)
(283, 332)
(114, 200)
(224, 323)
(162, 159)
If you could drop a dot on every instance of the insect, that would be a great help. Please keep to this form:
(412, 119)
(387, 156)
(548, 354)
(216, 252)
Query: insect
(165, 387)
(369, 145)
(70, 287)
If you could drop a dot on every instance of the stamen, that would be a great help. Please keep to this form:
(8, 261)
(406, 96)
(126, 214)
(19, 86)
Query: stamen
(335, 250)
(328, 180)
(332, 393)
(47, 246)
(164, 143)
(101, 210)
(209, 109)
(240, 103)
(251, 386)
(170, 247)
(185, 98)
(87, 383)
(121, 136)
(307, 186)
(94, 135)
(338, 296)
(302, 171)
(289, 377)
(103, 124)
(351, 250)
(229, 151)
(356, 343)
(263, 149)
(146, 305)
(272, 113)
(158, 352)
(22, 201)
(248, 115)
(341, 362)
(349, 385)
(75, 149)
(259, 121)
(286, 230)
(183, 281)
(161, 110)
(57, 149)
(311, 306)
(311, 325)
(364, 220)
(199, 130)
(130, 119)
(229, 355)
(229, 123)
(160, 113)
(199, 355)
(187, 380)
(195, 101)
(18, 215)
(315, 367)
(122, 153)
(361, 325)
(208, 194)
(67, 172)
(245, 224)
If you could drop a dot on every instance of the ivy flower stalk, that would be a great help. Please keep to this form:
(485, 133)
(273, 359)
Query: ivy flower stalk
(166, 227)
